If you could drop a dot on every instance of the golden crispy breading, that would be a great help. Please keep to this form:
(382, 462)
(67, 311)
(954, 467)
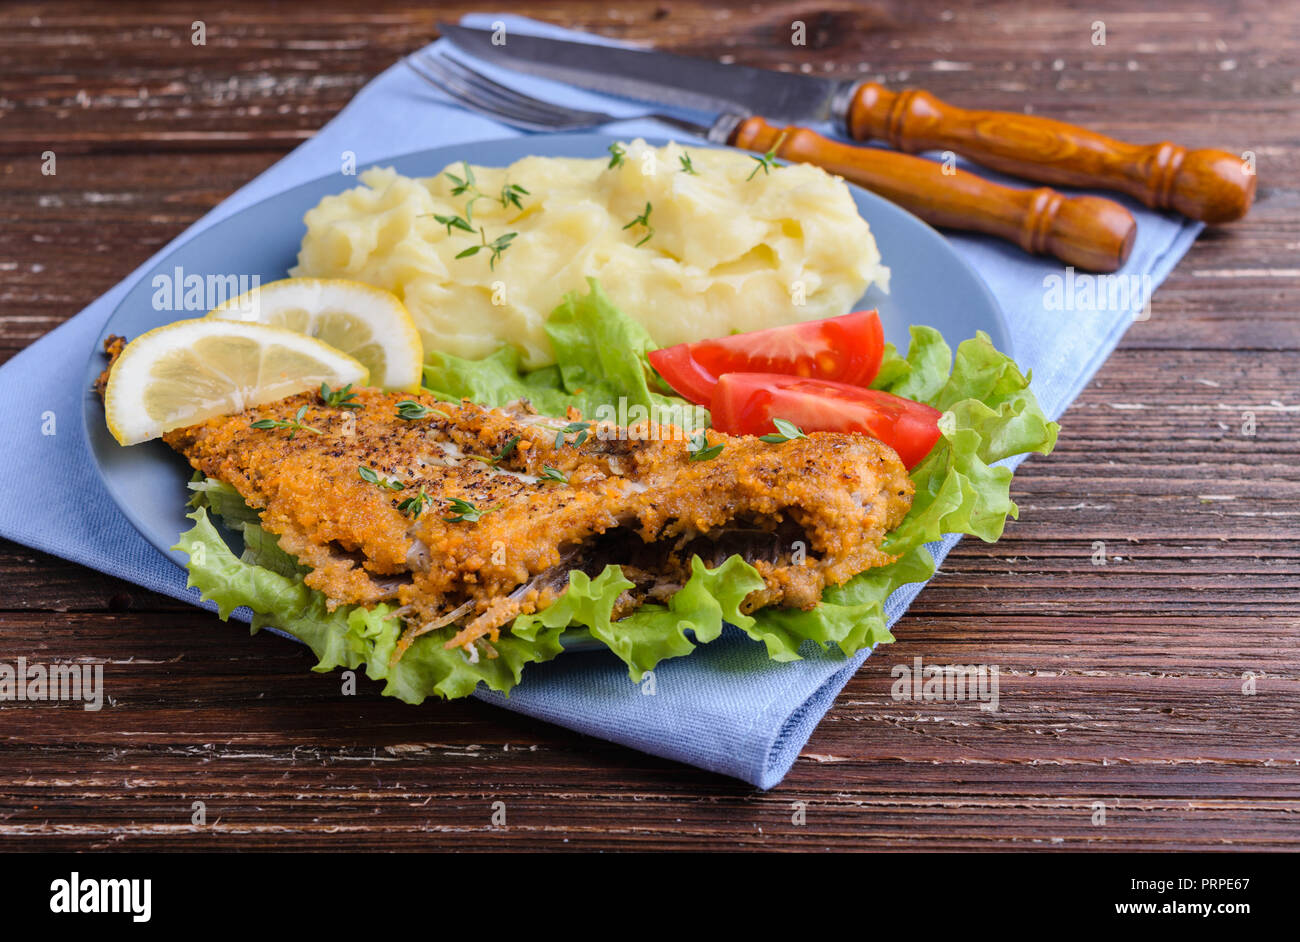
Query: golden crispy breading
(113, 346)
(638, 503)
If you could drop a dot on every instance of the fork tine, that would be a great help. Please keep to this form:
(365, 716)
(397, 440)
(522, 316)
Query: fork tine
(516, 99)
(505, 107)
(477, 92)
(512, 108)
(480, 91)
(467, 96)
(432, 73)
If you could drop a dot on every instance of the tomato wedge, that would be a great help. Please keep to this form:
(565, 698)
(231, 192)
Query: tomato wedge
(747, 404)
(845, 349)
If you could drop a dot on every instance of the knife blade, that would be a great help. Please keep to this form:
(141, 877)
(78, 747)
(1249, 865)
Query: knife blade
(662, 77)
(1210, 185)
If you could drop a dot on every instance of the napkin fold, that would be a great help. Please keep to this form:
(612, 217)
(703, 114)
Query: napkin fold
(727, 707)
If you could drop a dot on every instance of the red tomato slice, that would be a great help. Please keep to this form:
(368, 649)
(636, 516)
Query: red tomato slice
(844, 349)
(747, 404)
(688, 379)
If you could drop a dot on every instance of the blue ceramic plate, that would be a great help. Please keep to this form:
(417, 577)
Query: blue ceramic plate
(929, 284)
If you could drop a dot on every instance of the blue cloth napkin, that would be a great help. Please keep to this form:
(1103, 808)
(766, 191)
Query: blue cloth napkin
(726, 708)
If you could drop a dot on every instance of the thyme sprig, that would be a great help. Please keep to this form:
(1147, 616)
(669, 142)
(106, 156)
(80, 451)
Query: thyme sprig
(581, 429)
(411, 410)
(456, 222)
(465, 184)
(339, 398)
(768, 160)
(295, 426)
(785, 431)
(497, 246)
(687, 167)
(553, 474)
(617, 154)
(372, 476)
(506, 451)
(699, 449)
(643, 220)
(414, 506)
(510, 193)
(465, 511)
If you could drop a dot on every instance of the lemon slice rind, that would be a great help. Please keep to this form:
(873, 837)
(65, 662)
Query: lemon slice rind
(189, 371)
(368, 323)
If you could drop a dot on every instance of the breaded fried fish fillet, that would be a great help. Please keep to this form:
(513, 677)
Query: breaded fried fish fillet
(470, 516)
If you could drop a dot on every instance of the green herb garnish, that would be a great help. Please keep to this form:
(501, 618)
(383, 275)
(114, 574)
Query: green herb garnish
(496, 246)
(785, 431)
(294, 426)
(616, 155)
(506, 451)
(455, 222)
(465, 184)
(582, 428)
(553, 474)
(339, 398)
(510, 194)
(687, 167)
(462, 184)
(414, 506)
(767, 161)
(465, 511)
(411, 410)
(699, 449)
(371, 476)
(643, 220)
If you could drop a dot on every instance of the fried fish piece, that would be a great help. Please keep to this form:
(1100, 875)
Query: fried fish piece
(471, 516)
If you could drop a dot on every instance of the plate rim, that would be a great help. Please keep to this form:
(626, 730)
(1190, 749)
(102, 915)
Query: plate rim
(94, 363)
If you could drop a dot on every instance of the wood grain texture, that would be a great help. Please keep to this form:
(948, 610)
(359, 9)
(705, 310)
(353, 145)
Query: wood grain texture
(1119, 683)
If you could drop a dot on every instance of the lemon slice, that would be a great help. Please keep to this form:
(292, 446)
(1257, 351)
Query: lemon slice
(184, 373)
(363, 321)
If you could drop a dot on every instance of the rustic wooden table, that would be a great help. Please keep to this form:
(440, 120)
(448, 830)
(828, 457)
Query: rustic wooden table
(1120, 683)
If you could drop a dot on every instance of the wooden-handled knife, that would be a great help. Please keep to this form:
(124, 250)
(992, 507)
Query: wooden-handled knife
(1210, 185)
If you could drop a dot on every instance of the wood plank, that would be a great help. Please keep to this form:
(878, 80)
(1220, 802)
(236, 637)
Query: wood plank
(1119, 683)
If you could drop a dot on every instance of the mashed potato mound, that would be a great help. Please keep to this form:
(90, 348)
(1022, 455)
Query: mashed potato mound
(726, 251)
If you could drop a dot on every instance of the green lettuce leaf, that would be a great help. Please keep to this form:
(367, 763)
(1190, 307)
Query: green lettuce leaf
(351, 636)
(260, 548)
(709, 599)
(428, 666)
(600, 363)
(223, 500)
(922, 373)
(989, 414)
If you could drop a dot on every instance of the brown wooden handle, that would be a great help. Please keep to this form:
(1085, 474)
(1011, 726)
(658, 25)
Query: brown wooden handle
(1084, 231)
(1210, 185)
